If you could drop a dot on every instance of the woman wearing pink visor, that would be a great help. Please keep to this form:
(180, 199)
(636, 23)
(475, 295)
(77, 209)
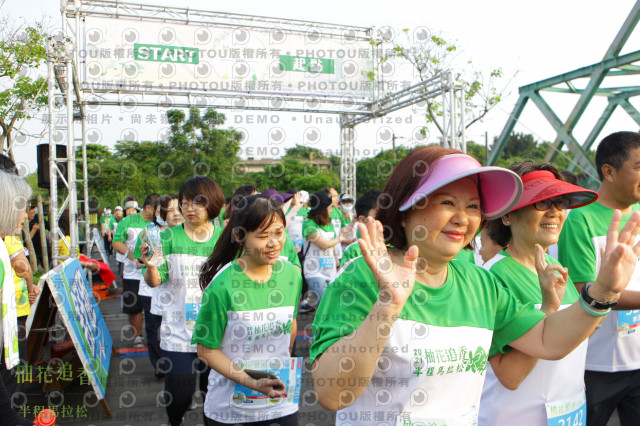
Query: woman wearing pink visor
(519, 387)
(403, 334)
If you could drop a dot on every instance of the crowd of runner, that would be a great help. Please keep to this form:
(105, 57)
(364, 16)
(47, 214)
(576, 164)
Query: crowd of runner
(457, 295)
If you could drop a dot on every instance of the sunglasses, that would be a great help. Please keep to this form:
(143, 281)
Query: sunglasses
(560, 203)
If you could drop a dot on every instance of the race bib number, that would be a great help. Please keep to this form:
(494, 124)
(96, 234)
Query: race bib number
(568, 412)
(327, 262)
(192, 307)
(628, 322)
(289, 371)
(191, 311)
(406, 418)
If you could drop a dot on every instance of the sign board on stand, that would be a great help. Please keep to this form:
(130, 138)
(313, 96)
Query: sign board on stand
(81, 316)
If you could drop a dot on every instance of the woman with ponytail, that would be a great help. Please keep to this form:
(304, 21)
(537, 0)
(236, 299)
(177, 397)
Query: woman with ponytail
(185, 248)
(248, 315)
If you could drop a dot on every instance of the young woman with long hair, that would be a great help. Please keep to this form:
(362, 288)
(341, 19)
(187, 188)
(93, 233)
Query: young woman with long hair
(248, 314)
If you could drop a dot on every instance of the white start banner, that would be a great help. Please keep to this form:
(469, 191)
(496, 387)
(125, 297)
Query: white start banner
(125, 55)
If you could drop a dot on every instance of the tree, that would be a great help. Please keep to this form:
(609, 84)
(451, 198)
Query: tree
(296, 170)
(372, 173)
(304, 153)
(22, 92)
(198, 147)
(477, 151)
(430, 55)
(520, 145)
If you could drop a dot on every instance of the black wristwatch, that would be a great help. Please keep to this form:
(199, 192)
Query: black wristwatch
(593, 302)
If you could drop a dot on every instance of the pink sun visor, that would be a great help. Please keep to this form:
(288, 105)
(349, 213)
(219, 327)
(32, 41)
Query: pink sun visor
(499, 188)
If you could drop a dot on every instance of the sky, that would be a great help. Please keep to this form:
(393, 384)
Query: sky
(529, 41)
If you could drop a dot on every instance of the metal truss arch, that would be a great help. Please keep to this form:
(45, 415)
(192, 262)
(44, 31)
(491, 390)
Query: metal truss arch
(68, 83)
(599, 79)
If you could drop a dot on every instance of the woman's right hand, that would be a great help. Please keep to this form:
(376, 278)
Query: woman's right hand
(273, 388)
(395, 281)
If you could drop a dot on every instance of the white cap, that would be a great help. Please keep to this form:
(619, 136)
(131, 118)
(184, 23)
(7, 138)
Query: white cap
(304, 196)
(131, 205)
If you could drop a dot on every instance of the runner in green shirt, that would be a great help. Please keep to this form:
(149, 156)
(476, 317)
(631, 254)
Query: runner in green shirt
(320, 249)
(366, 206)
(405, 311)
(520, 388)
(612, 372)
(185, 248)
(248, 315)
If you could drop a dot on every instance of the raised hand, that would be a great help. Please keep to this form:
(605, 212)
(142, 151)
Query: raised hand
(395, 280)
(618, 259)
(553, 282)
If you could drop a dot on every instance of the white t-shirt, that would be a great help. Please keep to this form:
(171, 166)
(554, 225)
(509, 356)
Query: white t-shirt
(179, 296)
(549, 381)
(433, 366)
(319, 263)
(127, 233)
(248, 321)
(615, 346)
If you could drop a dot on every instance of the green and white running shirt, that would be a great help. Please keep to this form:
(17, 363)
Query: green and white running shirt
(433, 365)
(318, 262)
(127, 233)
(247, 321)
(549, 381)
(615, 346)
(352, 251)
(180, 296)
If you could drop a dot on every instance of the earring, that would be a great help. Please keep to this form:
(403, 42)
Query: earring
(507, 222)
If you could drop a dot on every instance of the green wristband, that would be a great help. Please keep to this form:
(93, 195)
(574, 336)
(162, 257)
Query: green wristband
(588, 309)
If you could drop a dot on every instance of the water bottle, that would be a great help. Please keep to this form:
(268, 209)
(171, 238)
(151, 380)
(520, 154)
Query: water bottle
(298, 241)
(153, 240)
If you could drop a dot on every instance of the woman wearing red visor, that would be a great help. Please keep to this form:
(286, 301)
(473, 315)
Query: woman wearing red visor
(402, 335)
(519, 388)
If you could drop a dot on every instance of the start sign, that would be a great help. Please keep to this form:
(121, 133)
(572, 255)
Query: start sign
(159, 53)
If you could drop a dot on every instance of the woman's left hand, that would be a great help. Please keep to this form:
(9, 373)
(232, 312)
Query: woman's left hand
(273, 388)
(553, 282)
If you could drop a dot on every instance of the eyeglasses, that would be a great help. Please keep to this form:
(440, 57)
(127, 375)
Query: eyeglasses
(560, 203)
(196, 205)
(273, 235)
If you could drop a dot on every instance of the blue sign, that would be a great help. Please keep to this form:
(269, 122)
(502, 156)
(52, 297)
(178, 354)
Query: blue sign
(83, 320)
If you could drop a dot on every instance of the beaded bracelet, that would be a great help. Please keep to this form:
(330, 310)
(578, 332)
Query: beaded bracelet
(588, 309)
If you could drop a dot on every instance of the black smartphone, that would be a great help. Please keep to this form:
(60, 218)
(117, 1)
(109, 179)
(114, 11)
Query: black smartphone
(259, 374)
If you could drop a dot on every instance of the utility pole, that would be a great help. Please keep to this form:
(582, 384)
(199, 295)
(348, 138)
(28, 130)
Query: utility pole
(486, 148)
(393, 142)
